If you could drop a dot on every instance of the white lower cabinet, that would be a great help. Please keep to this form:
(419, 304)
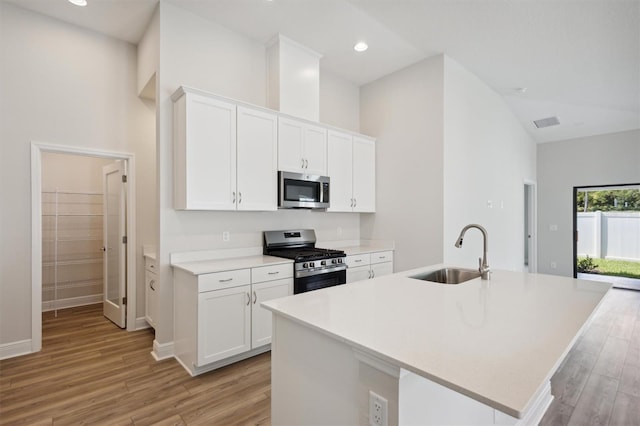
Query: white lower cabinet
(151, 291)
(260, 317)
(218, 317)
(224, 323)
(366, 266)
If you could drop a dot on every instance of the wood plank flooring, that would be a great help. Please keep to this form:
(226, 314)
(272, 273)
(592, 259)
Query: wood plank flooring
(91, 372)
(599, 382)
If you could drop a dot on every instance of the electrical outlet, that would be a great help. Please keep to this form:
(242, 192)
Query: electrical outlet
(225, 236)
(378, 408)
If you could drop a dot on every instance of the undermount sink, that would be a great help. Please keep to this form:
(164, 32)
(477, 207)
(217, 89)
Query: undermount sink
(448, 275)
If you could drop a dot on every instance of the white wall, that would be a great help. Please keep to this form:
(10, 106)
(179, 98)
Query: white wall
(148, 56)
(598, 160)
(487, 157)
(72, 172)
(202, 54)
(339, 102)
(447, 144)
(404, 111)
(62, 85)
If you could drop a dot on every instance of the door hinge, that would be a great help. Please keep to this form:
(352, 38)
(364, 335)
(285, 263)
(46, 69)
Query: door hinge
(124, 178)
(124, 240)
(124, 300)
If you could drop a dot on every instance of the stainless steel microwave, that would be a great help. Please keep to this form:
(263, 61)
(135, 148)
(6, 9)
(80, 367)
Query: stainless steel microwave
(302, 191)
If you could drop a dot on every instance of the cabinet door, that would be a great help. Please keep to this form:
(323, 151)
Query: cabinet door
(257, 160)
(364, 175)
(204, 153)
(224, 323)
(315, 150)
(340, 168)
(358, 273)
(261, 329)
(380, 269)
(151, 297)
(290, 143)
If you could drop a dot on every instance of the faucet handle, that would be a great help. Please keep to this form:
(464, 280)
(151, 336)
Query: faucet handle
(480, 264)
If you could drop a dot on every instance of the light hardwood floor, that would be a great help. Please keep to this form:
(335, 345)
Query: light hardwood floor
(89, 371)
(599, 382)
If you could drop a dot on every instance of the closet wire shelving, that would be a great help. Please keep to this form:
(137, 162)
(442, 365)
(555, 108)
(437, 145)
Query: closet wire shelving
(81, 235)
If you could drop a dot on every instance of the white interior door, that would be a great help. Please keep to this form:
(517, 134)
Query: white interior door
(115, 247)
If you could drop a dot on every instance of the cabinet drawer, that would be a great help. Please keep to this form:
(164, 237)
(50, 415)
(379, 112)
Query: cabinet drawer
(358, 260)
(382, 256)
(270, 273)
(150, 264)
(226, 279)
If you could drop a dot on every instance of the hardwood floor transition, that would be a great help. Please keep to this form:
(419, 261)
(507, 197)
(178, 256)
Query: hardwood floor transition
(90, 371)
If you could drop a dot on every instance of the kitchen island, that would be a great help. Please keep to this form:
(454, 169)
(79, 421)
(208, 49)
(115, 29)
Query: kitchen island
(480, 352)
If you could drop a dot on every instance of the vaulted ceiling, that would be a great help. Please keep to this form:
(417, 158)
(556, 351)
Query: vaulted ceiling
(579, 60)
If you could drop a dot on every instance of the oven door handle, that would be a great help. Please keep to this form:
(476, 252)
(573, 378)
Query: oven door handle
(302, 274)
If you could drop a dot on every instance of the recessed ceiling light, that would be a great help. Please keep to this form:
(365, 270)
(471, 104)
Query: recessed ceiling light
(78, 2)
(360, 46)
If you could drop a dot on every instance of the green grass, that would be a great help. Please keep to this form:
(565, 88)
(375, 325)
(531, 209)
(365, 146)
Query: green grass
(618, 268)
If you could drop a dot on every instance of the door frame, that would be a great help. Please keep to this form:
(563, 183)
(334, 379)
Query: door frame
(37, 148)
(533, 219)
(575, 215)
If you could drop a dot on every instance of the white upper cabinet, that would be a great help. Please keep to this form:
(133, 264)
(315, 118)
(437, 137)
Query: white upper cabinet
(352, 172)
(302, 147)
(364, 175)
(225, 156)
(340, 150)
(204, 153)
(257, 162)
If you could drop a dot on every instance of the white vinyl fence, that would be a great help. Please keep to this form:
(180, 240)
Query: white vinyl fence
(609, 235)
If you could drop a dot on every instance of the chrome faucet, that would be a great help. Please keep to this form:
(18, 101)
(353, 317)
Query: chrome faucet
(483, 268)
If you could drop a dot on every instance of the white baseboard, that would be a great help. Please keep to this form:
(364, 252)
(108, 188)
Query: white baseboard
(13, 349)
(141, 324)
(162, 350)
(71, 302)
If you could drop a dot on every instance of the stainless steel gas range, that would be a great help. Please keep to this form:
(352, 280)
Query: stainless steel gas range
(314, 267)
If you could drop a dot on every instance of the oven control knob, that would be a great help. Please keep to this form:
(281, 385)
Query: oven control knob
(334, 261)
(339, 260)
(305, 265)
(311, 265)
(323, 263)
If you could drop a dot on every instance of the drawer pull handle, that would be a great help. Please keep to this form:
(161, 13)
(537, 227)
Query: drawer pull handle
(382, 257)
(274, 273)
(358, 260)
(226, 280)
(151, 283)
(152, 266)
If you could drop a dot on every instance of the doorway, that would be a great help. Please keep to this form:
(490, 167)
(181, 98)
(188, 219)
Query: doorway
(606, 225)
(529, 238)
(38, 191)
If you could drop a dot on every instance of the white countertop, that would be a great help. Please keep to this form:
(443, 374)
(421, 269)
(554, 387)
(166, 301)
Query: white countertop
(496, 341)
(369, 247)
(209, 266)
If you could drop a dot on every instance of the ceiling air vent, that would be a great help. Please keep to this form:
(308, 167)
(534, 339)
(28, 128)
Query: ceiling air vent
(546, 122)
